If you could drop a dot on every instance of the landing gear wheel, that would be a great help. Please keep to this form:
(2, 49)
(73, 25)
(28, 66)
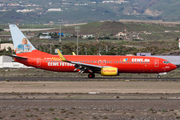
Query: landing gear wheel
(158, 76)
(91, 75)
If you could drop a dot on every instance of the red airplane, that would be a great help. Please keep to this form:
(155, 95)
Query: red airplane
(106, 65)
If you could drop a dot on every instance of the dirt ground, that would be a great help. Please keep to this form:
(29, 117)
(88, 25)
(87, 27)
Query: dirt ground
(89, 110)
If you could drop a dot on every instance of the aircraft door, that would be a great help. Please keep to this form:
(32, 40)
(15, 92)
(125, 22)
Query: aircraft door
(156, 63)
(38, 61)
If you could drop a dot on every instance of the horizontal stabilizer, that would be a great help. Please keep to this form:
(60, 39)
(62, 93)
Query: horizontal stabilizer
(15, 56)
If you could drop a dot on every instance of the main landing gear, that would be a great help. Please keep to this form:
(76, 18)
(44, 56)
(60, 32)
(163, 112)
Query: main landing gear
(91, 75)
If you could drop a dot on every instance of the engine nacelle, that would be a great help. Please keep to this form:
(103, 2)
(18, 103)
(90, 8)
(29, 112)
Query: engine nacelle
(111, 71)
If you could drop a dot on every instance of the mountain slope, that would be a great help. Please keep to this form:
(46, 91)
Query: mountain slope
(88, 11)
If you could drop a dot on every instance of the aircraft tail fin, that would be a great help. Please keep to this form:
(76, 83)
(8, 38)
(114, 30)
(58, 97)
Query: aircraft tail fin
(21, 43)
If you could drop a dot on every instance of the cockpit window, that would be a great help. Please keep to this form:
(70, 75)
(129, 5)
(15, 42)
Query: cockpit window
(166, 62)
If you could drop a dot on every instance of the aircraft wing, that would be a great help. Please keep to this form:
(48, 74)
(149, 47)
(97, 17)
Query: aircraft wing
(15, 56)
(73, 53)
(88, 65)
(82, 66)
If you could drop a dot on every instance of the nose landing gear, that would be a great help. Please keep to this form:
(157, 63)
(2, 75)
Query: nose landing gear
(158, 76)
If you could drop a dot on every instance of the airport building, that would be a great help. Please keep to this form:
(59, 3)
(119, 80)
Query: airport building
(6, 46)
(8, 62)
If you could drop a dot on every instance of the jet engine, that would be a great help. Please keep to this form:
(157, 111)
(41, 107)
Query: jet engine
(110, 71)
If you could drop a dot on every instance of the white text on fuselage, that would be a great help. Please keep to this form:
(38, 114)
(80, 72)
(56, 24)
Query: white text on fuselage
(59, 64)
(140, 60)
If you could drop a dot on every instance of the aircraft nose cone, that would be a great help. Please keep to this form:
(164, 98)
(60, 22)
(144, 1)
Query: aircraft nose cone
(173, 66)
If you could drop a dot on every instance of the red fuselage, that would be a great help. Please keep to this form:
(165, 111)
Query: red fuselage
(125, 64)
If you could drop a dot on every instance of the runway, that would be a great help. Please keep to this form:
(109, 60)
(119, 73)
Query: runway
(70, 99)
(99, 79)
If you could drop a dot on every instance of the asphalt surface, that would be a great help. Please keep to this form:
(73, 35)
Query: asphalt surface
(84, 79)
(71, 99)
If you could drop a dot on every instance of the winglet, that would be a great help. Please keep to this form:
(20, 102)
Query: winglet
(73, 53)
(61, 56)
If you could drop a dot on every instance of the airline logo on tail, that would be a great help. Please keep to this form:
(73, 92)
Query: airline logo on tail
(21, 43)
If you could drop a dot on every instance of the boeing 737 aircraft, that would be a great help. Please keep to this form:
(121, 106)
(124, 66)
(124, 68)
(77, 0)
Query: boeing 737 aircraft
(28, 55)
